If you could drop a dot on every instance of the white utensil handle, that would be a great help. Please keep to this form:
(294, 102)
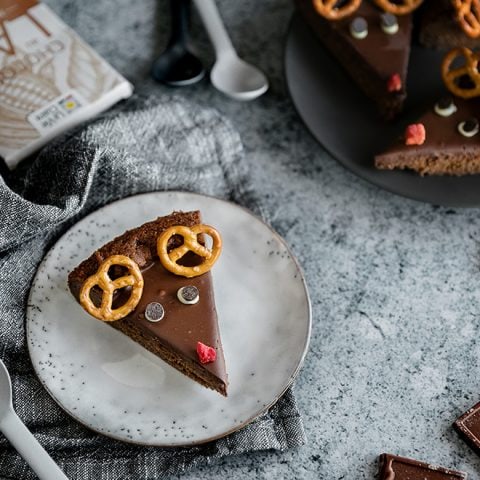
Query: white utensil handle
(216, 29)
(28, 447)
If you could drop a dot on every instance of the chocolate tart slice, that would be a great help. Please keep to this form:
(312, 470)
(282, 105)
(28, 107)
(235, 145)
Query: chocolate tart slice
(373, 61)
(440, 30)
(446, 150)
(174, 338)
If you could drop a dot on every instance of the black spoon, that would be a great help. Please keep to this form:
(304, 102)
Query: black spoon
(178, 66)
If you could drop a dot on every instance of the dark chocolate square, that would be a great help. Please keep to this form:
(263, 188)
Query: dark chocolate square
(400, 468)
(468, 425)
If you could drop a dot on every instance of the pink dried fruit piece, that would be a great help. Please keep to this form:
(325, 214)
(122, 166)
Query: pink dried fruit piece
(415, 134)
(394, 83)
(205, 353)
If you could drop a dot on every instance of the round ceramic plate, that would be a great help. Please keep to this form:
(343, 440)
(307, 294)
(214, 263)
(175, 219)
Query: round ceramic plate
(346, 123)
(114, 386)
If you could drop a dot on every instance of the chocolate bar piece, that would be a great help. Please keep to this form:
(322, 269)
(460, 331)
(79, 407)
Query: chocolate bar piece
(468, 425)
(399, 468)
(50, 79)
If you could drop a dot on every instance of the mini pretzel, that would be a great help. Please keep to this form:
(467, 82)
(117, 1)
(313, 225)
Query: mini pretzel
(190, 244)
(468, 16)
(401, 7)
(451, 77)
(108, 286)
(329, 10)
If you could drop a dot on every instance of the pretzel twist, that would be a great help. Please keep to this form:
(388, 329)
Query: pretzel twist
(190, 244)
(468, 16)
(451, 77)
(134, 279)
(329, 10)
(399, 8)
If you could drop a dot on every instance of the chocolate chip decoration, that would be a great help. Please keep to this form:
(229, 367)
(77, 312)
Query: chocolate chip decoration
(188, 295)
(389, 23)
(469, 127)
(154, 312)
(445, 107)
(359, 28)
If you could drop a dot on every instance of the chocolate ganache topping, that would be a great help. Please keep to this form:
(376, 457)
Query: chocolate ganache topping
(182, 325)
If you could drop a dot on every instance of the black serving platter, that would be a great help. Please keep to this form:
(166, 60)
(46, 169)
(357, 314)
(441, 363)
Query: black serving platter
(347, 124)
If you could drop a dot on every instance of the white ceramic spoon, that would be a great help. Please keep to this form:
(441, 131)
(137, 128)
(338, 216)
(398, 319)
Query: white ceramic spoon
(230, 74)
(21, 438)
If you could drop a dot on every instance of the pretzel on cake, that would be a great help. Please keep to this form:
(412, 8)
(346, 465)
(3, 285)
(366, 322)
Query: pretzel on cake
(401, 7)
(190, 235)
(468, 16)
(452, 76)
(101, 279)
(330, 10)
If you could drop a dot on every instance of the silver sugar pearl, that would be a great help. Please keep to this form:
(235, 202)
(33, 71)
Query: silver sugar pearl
(188, 295)
(154, 312)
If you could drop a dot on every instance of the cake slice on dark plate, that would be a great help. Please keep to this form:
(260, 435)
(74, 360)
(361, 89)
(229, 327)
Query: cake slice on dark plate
(371, 44)
(153, 284)
(445, 140)
(440, 28)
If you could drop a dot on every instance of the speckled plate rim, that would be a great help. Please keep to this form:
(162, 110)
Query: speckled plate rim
(261, 410)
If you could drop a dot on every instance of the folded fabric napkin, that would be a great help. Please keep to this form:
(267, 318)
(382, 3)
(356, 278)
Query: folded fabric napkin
(146, 144)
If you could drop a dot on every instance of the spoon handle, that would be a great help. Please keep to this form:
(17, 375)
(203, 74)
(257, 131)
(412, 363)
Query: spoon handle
(28, 447)
(215, 27)
(180, 11)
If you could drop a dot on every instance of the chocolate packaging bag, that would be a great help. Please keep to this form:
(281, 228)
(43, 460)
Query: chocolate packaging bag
(50, 79)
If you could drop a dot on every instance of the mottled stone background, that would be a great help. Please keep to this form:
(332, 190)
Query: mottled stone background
(394, 283)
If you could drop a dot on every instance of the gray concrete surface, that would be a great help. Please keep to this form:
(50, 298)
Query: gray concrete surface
(394, 356)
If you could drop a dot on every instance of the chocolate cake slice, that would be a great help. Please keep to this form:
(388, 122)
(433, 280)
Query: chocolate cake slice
(451, 143)
(373, 48)
(439, 28)
(175, 318)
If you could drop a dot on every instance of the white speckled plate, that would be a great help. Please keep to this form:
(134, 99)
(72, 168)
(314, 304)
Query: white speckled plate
(114, 386)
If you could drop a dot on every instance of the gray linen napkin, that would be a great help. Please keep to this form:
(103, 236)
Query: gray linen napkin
(146, 144)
